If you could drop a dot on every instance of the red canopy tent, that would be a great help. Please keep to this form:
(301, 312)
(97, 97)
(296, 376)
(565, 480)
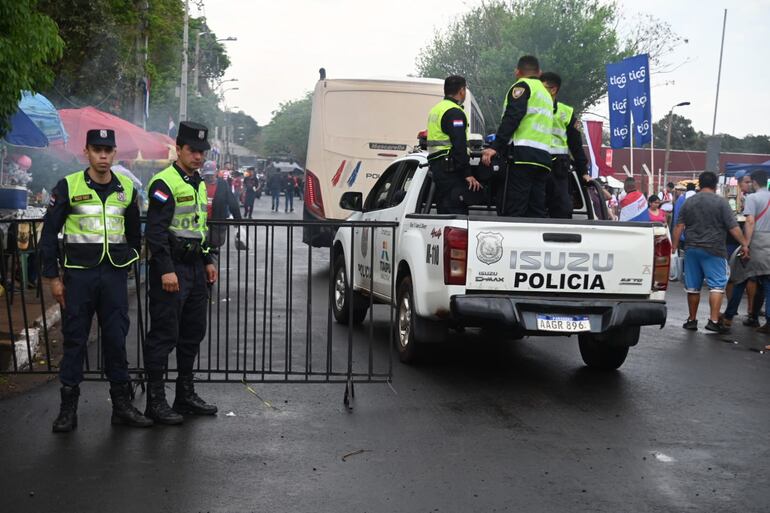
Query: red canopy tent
(133, 142)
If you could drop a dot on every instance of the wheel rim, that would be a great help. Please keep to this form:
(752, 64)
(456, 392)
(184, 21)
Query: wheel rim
(404, 320)
(339, 290)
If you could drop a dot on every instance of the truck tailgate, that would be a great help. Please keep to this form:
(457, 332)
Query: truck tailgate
(557, 257)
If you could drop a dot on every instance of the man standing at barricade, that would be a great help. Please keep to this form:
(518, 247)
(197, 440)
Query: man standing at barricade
(567, 150)
(448, 149)
(180, 269)
(708, 219)
(633, 206)
(527, 127)
(221, 204)
(98, 213)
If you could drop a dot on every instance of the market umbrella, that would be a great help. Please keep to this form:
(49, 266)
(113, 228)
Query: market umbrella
(117, 168)
(44, 115)
(133, 141)
(23, 132)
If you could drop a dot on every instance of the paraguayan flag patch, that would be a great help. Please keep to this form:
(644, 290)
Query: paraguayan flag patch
(457, 122)
(160, 196)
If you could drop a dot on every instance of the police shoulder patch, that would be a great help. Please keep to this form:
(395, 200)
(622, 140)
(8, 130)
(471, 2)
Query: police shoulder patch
(516, 92)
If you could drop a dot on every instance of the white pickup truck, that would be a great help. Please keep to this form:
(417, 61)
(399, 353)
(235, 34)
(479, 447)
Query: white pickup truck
(601, 280)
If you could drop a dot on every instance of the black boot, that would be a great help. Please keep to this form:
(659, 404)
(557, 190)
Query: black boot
(68, 413)
(157, 408)
(187, 401)
(123, 412)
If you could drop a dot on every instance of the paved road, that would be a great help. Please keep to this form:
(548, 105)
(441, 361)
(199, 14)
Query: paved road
(479, 426)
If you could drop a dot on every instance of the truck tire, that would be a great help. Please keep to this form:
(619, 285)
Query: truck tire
(406, 341)
(339, 296)
(607, 351)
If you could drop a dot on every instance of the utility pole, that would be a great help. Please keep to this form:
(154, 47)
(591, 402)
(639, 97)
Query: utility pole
(141, 65)
(719, 74)
(183, 83)
(668, 140)
(196, 75)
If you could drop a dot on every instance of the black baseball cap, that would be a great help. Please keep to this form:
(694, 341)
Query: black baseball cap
(194, 135)
(101, 137)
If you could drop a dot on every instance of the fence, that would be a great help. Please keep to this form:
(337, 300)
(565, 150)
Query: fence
(269, 314)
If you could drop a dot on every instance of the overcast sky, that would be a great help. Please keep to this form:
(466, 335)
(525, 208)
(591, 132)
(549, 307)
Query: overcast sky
(281, 45)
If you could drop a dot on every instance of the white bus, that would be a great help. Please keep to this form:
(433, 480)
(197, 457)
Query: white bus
(357, 127)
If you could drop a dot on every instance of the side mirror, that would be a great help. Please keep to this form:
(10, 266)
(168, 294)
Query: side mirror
(352, 201)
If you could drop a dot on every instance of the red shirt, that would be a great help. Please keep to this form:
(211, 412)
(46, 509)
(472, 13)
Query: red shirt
(211, 190)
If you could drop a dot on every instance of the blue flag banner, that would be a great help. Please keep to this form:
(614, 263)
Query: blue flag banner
(628, 87)
(620, 112)
(638, 74)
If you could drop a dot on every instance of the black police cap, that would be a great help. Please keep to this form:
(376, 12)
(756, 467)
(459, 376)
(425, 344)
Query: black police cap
(194, 135)
(101, 137)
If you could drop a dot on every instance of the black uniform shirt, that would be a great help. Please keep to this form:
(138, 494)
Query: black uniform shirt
(457, 136)
(59, 208)
(514, 113)
(159, 216)
(575, 145)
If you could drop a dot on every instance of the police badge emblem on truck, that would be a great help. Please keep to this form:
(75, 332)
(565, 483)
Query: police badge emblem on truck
(490, 247)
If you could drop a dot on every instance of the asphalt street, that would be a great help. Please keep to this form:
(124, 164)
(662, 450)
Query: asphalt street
(479, 425)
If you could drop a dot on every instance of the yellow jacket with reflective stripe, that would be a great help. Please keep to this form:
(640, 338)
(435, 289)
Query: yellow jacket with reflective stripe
(561, 120)
(438, 140)
(533, 138)
(94, 230)
(190, 205)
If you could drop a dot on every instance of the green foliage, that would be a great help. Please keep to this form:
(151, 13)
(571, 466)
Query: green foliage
(574, 38)
(28, 43)
(288, 130)
(685, 137)
(246, 130)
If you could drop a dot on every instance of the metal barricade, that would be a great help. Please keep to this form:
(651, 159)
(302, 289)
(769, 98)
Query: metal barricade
(269, 314)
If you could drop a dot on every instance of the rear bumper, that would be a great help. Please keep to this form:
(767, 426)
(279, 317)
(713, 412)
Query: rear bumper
(521, 313)
(316, 236)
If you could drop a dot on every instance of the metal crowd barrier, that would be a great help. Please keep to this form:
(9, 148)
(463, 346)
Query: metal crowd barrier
(269, 314)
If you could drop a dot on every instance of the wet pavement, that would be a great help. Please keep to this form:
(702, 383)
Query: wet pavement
(478, 426)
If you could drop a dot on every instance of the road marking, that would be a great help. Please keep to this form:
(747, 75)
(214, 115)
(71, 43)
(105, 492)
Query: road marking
(664, 458)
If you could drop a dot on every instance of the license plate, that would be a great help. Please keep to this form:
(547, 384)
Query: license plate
(563, 323)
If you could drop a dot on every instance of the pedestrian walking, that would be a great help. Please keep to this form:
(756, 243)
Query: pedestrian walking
(288, 189)
(567, 151)
(525, 136)
(274, 186)
(708, 219)
(249, 193)
(180, 269)
(221, 204)
(448, 146)
(98, 213)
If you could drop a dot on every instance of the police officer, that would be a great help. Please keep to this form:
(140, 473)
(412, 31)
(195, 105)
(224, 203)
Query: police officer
(567, 150)
(180, 268)
(526, 125)
(98, 213)
(448, 147)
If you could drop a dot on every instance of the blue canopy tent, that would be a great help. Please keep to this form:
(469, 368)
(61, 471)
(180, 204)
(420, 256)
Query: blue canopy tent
(25, 133)
(732, 168)
(44, 115)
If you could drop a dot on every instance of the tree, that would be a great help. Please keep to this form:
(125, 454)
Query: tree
(287, 132)
(683, 135)
(575, 38)
(29, 42)
(246, 130)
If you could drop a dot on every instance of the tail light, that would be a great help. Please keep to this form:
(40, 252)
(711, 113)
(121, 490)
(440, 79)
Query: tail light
(313, 200)
(455, 255)
(661, 263)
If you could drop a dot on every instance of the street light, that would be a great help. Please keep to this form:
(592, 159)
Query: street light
(198, 52)
(668, 138)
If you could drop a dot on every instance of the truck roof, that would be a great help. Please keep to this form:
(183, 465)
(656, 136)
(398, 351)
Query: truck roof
(414, 80)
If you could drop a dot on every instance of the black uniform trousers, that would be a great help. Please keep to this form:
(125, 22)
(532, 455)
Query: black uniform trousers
(525, 194)
(449, 188)
(177, 319)
(102, 290)
(558, 200)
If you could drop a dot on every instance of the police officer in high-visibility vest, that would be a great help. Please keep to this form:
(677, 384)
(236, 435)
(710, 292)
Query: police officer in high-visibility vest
(567, 151)
(448, 150)
(526, 127)
(180, 269)
(98, 213)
